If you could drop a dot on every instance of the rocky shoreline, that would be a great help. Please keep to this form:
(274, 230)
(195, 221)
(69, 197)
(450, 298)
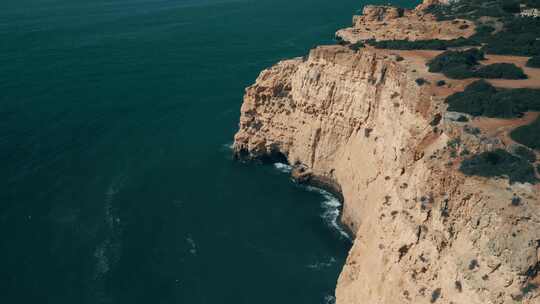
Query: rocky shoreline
(370, 125)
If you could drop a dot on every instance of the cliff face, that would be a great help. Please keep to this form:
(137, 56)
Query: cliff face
(359, 122)
(392, 23)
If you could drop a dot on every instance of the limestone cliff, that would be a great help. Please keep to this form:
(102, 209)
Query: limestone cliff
(359, 121)
(388, 23)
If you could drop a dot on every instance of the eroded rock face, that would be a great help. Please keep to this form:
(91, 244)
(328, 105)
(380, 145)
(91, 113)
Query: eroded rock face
(424, 233)
(391, 23)
(382, 13)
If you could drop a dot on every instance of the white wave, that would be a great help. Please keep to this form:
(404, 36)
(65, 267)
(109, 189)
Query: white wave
(108, 251)
(283, 167)
(329, 299)
(114, 187)
(102, 261)
(228, 146)
(319, 265)
(331, 210)
(193, 246)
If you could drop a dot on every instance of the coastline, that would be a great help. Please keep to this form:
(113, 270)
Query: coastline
(370, 125)
(368, 122)
(323, 183)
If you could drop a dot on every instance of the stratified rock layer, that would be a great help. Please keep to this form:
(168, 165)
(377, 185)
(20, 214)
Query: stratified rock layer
(361, 123)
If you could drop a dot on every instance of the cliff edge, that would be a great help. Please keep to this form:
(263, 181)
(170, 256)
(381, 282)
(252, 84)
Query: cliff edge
(373, 125)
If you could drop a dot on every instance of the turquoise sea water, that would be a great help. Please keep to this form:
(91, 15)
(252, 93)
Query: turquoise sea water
(117, 183)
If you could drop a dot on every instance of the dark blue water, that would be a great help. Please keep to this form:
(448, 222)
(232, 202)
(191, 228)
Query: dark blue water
(117, 185)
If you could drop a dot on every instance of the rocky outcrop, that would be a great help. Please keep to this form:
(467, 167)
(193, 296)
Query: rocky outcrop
(391, 23)
(531, 12)
(361, 123)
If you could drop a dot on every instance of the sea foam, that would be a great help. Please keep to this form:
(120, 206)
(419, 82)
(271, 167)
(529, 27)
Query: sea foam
(331, 210)
(331, 204)
(329, 299)
(283, 167)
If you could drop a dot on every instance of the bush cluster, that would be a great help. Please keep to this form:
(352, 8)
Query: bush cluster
(454, 58)
(469, 9)
(421, 81)
(473, 9)
(356, 46)
(456, 64)
(518, 36)
(534, 62)
(532, 3)
(499, 163)
(431, 44)
(528, 135)
(510, 6)
(440, 83)
(482, 99)
(465, 64)
(483, 32)
(525, 153)
(500, 70)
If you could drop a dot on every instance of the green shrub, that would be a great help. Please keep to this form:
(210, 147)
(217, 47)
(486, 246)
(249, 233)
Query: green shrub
(534, 62)
(482, 34)
(482, 99)
(511, 6)
(454, 143)
(455, 59)
(518, 36)
(528, 135)
(431, 44)
(465, 64)
(471, 130)
(499, 163)
(473, 9)
(435, 295)
(473, 99)
(462, 118)
(469, 9)
(516, 201)
(500, 70)
(532, 3)
(421, 81)
(356, 46)
(521, 100)
(525, 153)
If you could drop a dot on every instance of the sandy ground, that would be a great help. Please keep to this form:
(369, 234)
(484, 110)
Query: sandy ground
(419, 58)
(492, 127)
(533, 73)
(500, 128)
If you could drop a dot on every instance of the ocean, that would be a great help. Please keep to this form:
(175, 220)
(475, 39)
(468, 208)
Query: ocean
(117, 181)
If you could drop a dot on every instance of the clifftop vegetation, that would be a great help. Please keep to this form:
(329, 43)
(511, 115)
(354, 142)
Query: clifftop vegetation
(500, 28)
(482, 99)
(504, 31)
(503, 27)
(474, 9)
(466, 64)
(528, 135)
(500, 163)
